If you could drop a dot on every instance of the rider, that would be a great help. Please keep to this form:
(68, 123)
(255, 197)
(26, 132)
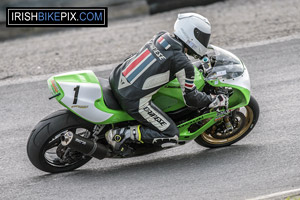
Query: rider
(140, 76)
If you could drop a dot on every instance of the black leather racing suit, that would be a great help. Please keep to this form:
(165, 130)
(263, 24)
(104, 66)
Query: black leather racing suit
(139, 77)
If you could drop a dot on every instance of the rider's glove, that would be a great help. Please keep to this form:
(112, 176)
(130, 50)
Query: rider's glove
(219, 101)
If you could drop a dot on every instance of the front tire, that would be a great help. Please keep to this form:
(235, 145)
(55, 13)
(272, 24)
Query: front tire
(45, 138)
(250, 118)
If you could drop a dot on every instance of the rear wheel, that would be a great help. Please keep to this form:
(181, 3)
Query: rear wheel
(243, 122)
(44, 149)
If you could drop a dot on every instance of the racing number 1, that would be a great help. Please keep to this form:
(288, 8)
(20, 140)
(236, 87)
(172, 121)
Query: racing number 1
(76, 89)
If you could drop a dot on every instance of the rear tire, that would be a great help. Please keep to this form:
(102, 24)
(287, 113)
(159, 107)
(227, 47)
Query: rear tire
(251, 117)
(46, 134)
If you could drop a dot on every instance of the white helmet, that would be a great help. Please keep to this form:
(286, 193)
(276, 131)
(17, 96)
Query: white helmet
(194, 30)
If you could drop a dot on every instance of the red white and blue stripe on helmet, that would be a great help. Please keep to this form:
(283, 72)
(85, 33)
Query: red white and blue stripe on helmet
(189, 84)
(138, 65)
(163, 42)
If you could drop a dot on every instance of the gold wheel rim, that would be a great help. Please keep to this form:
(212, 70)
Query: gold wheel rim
(249, 119)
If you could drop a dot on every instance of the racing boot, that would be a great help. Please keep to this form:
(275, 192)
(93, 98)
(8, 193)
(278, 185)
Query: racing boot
(117, 138)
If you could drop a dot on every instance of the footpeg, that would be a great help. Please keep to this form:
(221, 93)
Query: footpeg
(166, 142)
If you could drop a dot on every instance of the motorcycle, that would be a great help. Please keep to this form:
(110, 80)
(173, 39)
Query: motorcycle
(69, 138)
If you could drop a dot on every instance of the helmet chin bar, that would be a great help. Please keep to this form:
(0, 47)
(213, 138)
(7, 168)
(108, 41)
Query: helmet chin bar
(190, 51)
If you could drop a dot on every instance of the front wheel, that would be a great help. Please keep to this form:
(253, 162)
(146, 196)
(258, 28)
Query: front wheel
(44, 148)
(243, 122)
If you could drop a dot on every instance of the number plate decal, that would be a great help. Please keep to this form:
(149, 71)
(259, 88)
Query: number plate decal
(81, 97)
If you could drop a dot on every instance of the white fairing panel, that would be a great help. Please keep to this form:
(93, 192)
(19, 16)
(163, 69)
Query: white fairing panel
(87, 94)
(241, 81)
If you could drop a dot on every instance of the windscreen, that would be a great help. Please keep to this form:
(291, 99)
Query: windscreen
(225, 64)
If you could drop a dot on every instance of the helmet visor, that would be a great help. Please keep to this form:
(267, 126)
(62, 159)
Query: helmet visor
(202, 37)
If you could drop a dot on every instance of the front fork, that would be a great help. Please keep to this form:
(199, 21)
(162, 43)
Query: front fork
(228, 125)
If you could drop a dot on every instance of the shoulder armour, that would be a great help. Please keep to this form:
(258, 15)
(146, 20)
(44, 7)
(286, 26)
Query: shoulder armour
(176, 44)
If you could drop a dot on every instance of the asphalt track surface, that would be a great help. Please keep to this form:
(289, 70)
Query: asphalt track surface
(266, 161)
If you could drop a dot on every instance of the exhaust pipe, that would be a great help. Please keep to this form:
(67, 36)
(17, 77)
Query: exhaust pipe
(84, 145)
